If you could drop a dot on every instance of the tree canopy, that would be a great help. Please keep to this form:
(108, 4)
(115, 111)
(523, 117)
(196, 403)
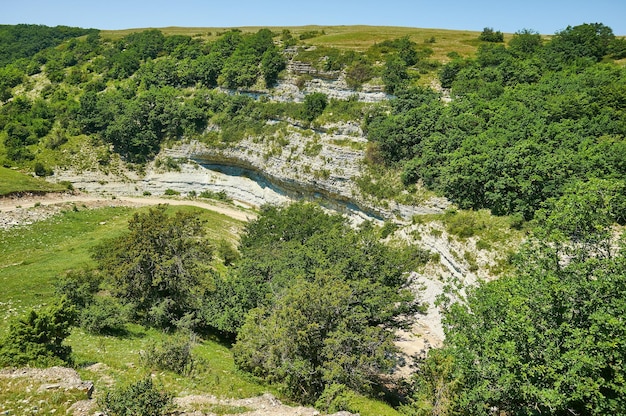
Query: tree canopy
(549, 338)
(159, 267)
(313, 302)
(524, 122)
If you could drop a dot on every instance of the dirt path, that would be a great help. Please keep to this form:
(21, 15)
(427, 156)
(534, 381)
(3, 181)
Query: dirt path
(12, 204)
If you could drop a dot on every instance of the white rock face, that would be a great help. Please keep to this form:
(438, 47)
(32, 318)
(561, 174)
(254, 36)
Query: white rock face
(318, 166)
(286, 90)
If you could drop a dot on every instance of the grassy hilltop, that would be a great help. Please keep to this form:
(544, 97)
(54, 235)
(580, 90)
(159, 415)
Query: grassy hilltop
(358, 38)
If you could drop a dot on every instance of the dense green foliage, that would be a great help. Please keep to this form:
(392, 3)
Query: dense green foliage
(131, 92)
(534, 128)
(139, 399)
(37, 339)
(159, 267)
(24, 41)
(489, 35)
(313, 302)
(144, 89)
(173, 355)
(286, 245)
(525, 121)
(96, 314)
(550, 338)
(314, 105)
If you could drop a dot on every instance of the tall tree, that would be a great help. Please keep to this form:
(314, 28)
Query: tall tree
(159, 266)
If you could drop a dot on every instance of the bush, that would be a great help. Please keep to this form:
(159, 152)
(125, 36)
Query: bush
(37, 339)
(227, 252)
(489, 35)
(104, 315)
(358, 73)
(314, 105)
(139, 399)
(220, 195)
(302, 80)
(335, 398)
(41, 170)
(172, 356)
(79, 287)
(463, 224)
(171, 192)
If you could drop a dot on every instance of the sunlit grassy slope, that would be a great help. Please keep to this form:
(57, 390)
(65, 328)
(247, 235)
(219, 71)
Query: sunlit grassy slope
(358, 38)
(33, 257)
(12, 181)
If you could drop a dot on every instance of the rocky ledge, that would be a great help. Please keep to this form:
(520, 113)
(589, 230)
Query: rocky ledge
(318, 165)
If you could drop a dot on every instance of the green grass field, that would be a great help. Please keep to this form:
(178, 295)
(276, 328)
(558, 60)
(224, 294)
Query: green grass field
(12, 181)
(357, 37)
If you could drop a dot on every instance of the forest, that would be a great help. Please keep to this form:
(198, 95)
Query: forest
(532, 128)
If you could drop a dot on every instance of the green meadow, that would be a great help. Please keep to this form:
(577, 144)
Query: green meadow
(12, 181)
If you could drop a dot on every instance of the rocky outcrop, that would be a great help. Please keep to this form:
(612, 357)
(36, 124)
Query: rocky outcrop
(337, 88)
(305, 68)
(301, 164)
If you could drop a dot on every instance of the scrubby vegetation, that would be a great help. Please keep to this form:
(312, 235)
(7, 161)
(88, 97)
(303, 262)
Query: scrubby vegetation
(547, 338)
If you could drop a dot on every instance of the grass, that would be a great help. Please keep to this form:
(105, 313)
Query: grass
(490, 230)
(12, 181)
(120, 362)
(20, 396)
(32, 257)
(366, 406)
(357, 37)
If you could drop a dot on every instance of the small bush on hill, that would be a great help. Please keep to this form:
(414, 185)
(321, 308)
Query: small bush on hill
(489, 35)
(105, 315)
(139, 399)
(173, 356)
(37, 339)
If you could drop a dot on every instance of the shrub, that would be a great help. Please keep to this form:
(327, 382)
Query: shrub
(173, 356)
(220, 195)
(41, 170)
(37, 339)
(359, 73)
(104, 315)
(302, 80)
(489, 35)
(388, 229)
(463, 224)
(79, 287)
(171, 192)
(311, 34)
(139, 399)
(227, 252)
(168, 163)
(335, 398)
(314, 105)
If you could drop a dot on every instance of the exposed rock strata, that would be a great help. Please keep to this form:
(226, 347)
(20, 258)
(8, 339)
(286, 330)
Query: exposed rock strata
(319, 167)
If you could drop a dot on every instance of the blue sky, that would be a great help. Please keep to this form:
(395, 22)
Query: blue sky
(544, 16)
